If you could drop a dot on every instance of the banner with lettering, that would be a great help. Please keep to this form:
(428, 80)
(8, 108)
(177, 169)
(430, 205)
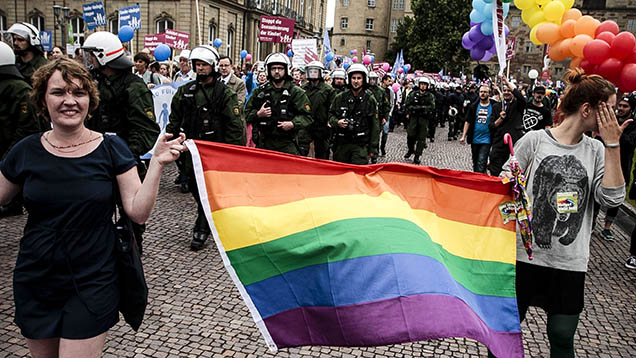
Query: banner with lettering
(276, 29)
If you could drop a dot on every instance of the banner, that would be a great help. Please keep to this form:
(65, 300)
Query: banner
(377, 68)
(130, 16)
(152, 41)
(276, 29)
(46, 40)
(177, 39)
(305, 51)
(94, 14)
(511, 47)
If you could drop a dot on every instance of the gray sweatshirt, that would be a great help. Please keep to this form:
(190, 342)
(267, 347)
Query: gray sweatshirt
(563, 183)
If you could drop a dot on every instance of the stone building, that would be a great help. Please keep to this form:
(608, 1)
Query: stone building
(236, 22)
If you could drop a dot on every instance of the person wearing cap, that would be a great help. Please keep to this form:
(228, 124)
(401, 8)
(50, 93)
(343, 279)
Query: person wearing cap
(383, 104)
(125, 102)
(18, 118)
(142, 62)
(354, 116)
(206, 110)
(320, 96)
(28, 49)
(537, 115)
(185, 72)
(278, 109)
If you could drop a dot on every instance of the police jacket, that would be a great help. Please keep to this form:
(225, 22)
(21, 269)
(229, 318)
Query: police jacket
(28, 68)
(420, 103)
(17, 116)
(321, 98)
(362, 116)
(383, 101)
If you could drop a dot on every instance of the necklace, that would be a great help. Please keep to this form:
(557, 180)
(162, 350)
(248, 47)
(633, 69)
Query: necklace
(61, 148)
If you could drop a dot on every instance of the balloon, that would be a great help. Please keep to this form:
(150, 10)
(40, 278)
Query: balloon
(476, 16)
(395, 87)
(611, 69)
(628, 77)
(606, 36)
(243, 53)
(354, 51)
(631, 58)
(556, 52)
(478, 4)
(506, 9)
(248, 57)
(487, 56)
(346, 65)
(487, 12)
(607, 25)
(533, 36)
(572, 14)
(528, 13)
(623, 45)
(354, 59)
(567, 28)
(586, 25)
(524, 4)
(475, 34)
(576, 62)
(385, 67)
(566, 47)
(372, 58)
(162, 52)
(486, 28)
(366, 60)
(506, 30)
(217, 42)
(329, 56)
(596, 51)
(587, 66)
(125, 33)
(542, 2)
(553, 11)
(567, 4)
(408, 67)
(537, 18)
(477, 54)
(486, 43)
(290, 53)
(578, 43)
(533, 74)
(548, 33)
(400, 70)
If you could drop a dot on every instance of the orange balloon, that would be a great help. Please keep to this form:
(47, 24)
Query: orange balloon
(586, 25)
(567, 28)
(566, 47)
(548, 33)
(556, 52)
(578, 43)
(576, 62)
(572, 14)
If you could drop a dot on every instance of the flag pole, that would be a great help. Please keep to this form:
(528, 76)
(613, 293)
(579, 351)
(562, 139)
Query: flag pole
(198, 22)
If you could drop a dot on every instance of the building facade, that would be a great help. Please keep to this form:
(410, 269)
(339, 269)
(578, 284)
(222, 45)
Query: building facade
(235, 22)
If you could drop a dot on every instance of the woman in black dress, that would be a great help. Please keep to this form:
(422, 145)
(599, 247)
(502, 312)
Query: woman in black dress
(65, 280)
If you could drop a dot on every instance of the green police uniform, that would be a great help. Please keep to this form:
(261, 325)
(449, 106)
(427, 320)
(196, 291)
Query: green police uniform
(383, 107)
(321, 98)
(419, 105)
(17, 115)
(361, 136)
(28, 68)
(288, 103)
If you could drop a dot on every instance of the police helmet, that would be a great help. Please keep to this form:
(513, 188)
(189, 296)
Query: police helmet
(372, 74)
(184, 53)
(7, 61)
(278, 58)
(358, 68)
(314, 70)
(108, 50)
(339, 73)
(26, 31)
(207, 54)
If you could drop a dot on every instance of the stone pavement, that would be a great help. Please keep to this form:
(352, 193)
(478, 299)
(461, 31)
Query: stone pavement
(195, 310)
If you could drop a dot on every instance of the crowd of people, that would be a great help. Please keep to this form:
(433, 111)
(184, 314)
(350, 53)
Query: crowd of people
(65, 112)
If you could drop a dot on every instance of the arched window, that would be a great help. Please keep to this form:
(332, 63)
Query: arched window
(77, 28)
(230, 41)
(211, 32)
(113, 23)
(3, 21)
(164, 23)
(37, 20)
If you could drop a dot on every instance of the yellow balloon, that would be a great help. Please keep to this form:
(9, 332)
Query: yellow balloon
(524, 4)
(567, 4)
(527, 14)
(554, 11)
(533, 36)
(536, 19)
(542, 2)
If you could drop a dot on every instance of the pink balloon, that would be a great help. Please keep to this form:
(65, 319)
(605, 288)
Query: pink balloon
(366, 60)
(355, 59)
(248, 57)
(386, 67)
(355, 51)
(400, 70)
(395, 87)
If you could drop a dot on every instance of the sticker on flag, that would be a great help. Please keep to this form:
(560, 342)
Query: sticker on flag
(326, 253)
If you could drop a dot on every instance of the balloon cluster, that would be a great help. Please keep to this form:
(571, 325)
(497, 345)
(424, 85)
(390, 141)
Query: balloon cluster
(480, 40)
(535, 12)
(246, 56)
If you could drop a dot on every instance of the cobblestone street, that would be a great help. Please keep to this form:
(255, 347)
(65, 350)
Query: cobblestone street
(195, 310)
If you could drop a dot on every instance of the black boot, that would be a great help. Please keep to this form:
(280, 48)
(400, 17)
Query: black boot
(198, 240)
(408, 154)
(417, 160)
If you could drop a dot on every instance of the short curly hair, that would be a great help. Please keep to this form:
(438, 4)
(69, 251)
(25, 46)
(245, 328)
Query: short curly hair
(70, 69)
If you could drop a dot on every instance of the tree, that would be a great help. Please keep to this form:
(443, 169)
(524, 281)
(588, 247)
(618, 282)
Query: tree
(432, 40)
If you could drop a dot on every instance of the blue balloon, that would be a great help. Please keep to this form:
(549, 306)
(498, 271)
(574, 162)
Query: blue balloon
(478, 4)
(217, 42)
(486, 29)
(487, 11)
(506, 8)
(243, 53)
(346, 65)
(476, 16)
(329, 57)
(290, 53)
(372, 58)
(126, 33)
(488, 1)
(162, 52)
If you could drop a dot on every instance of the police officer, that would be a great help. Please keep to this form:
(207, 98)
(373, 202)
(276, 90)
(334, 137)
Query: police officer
(339, 77)
(354, 115)
(383, 104)
(420, 105)
(27, 47)
(17, 116)
(208, 110)
(321, 96)
(125, 102)
(455, 111)
(278, 109)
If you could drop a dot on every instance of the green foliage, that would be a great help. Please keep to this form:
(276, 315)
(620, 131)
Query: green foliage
(432, 40)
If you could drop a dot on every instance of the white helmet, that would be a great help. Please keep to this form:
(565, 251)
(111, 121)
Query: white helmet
(279, 58)
(339, 73)
(358, 68)
(372, 74)
(108, 50)
(7, 61)
(184, 53)
(26, 31)
(207, 54)
(314, 68)
(423, 79)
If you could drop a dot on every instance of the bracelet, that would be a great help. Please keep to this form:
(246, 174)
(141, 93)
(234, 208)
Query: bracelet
(612, 145)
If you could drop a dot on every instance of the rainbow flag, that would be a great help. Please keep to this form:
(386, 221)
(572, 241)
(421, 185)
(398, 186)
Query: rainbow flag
(325, 253)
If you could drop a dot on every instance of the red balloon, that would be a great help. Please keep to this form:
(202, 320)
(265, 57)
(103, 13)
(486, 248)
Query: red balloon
(631, 58)
(623, 45)
(587, 66)
(607, 25)
(606, 36)
(596, 51)
(610, 69)
(628, 77)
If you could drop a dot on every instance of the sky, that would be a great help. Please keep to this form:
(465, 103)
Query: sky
(331, 7)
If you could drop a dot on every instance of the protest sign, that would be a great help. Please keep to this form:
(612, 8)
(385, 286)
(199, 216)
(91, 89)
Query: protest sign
(130, 16)
(152, 41)
(305, 51)
(94, 14)
(45, 40)
(276, 29)
(177, 39)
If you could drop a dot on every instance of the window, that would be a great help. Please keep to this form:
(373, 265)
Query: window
(3, 22)
(309, 9)
(230, 42)
(368, 45)
(342, 42)
(529, 47)
(301, 8)
(558, 71)
(320, 16)
(77, 27)
(631, 25)
(344, 22)
(113, 25)
(368, 25)
(526, 69)
(275, 7)
(394, 24)
(37, 21)
(211, 33)
(371, 3)
(345, 2)
(516, 21)
(163, 24)
(398, 4)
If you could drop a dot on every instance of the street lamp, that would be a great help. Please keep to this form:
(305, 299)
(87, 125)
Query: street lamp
(62, 16)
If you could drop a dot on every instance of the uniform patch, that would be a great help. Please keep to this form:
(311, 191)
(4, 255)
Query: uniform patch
(307, 107)
(236, 111)
(150, 114)
(23, 107)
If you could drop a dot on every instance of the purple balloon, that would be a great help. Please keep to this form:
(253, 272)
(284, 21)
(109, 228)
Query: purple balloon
(474, 23)
(475, 34)
(486, 43)
(477, 54)
(466, 42)
(487, 56)
(506, 30)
